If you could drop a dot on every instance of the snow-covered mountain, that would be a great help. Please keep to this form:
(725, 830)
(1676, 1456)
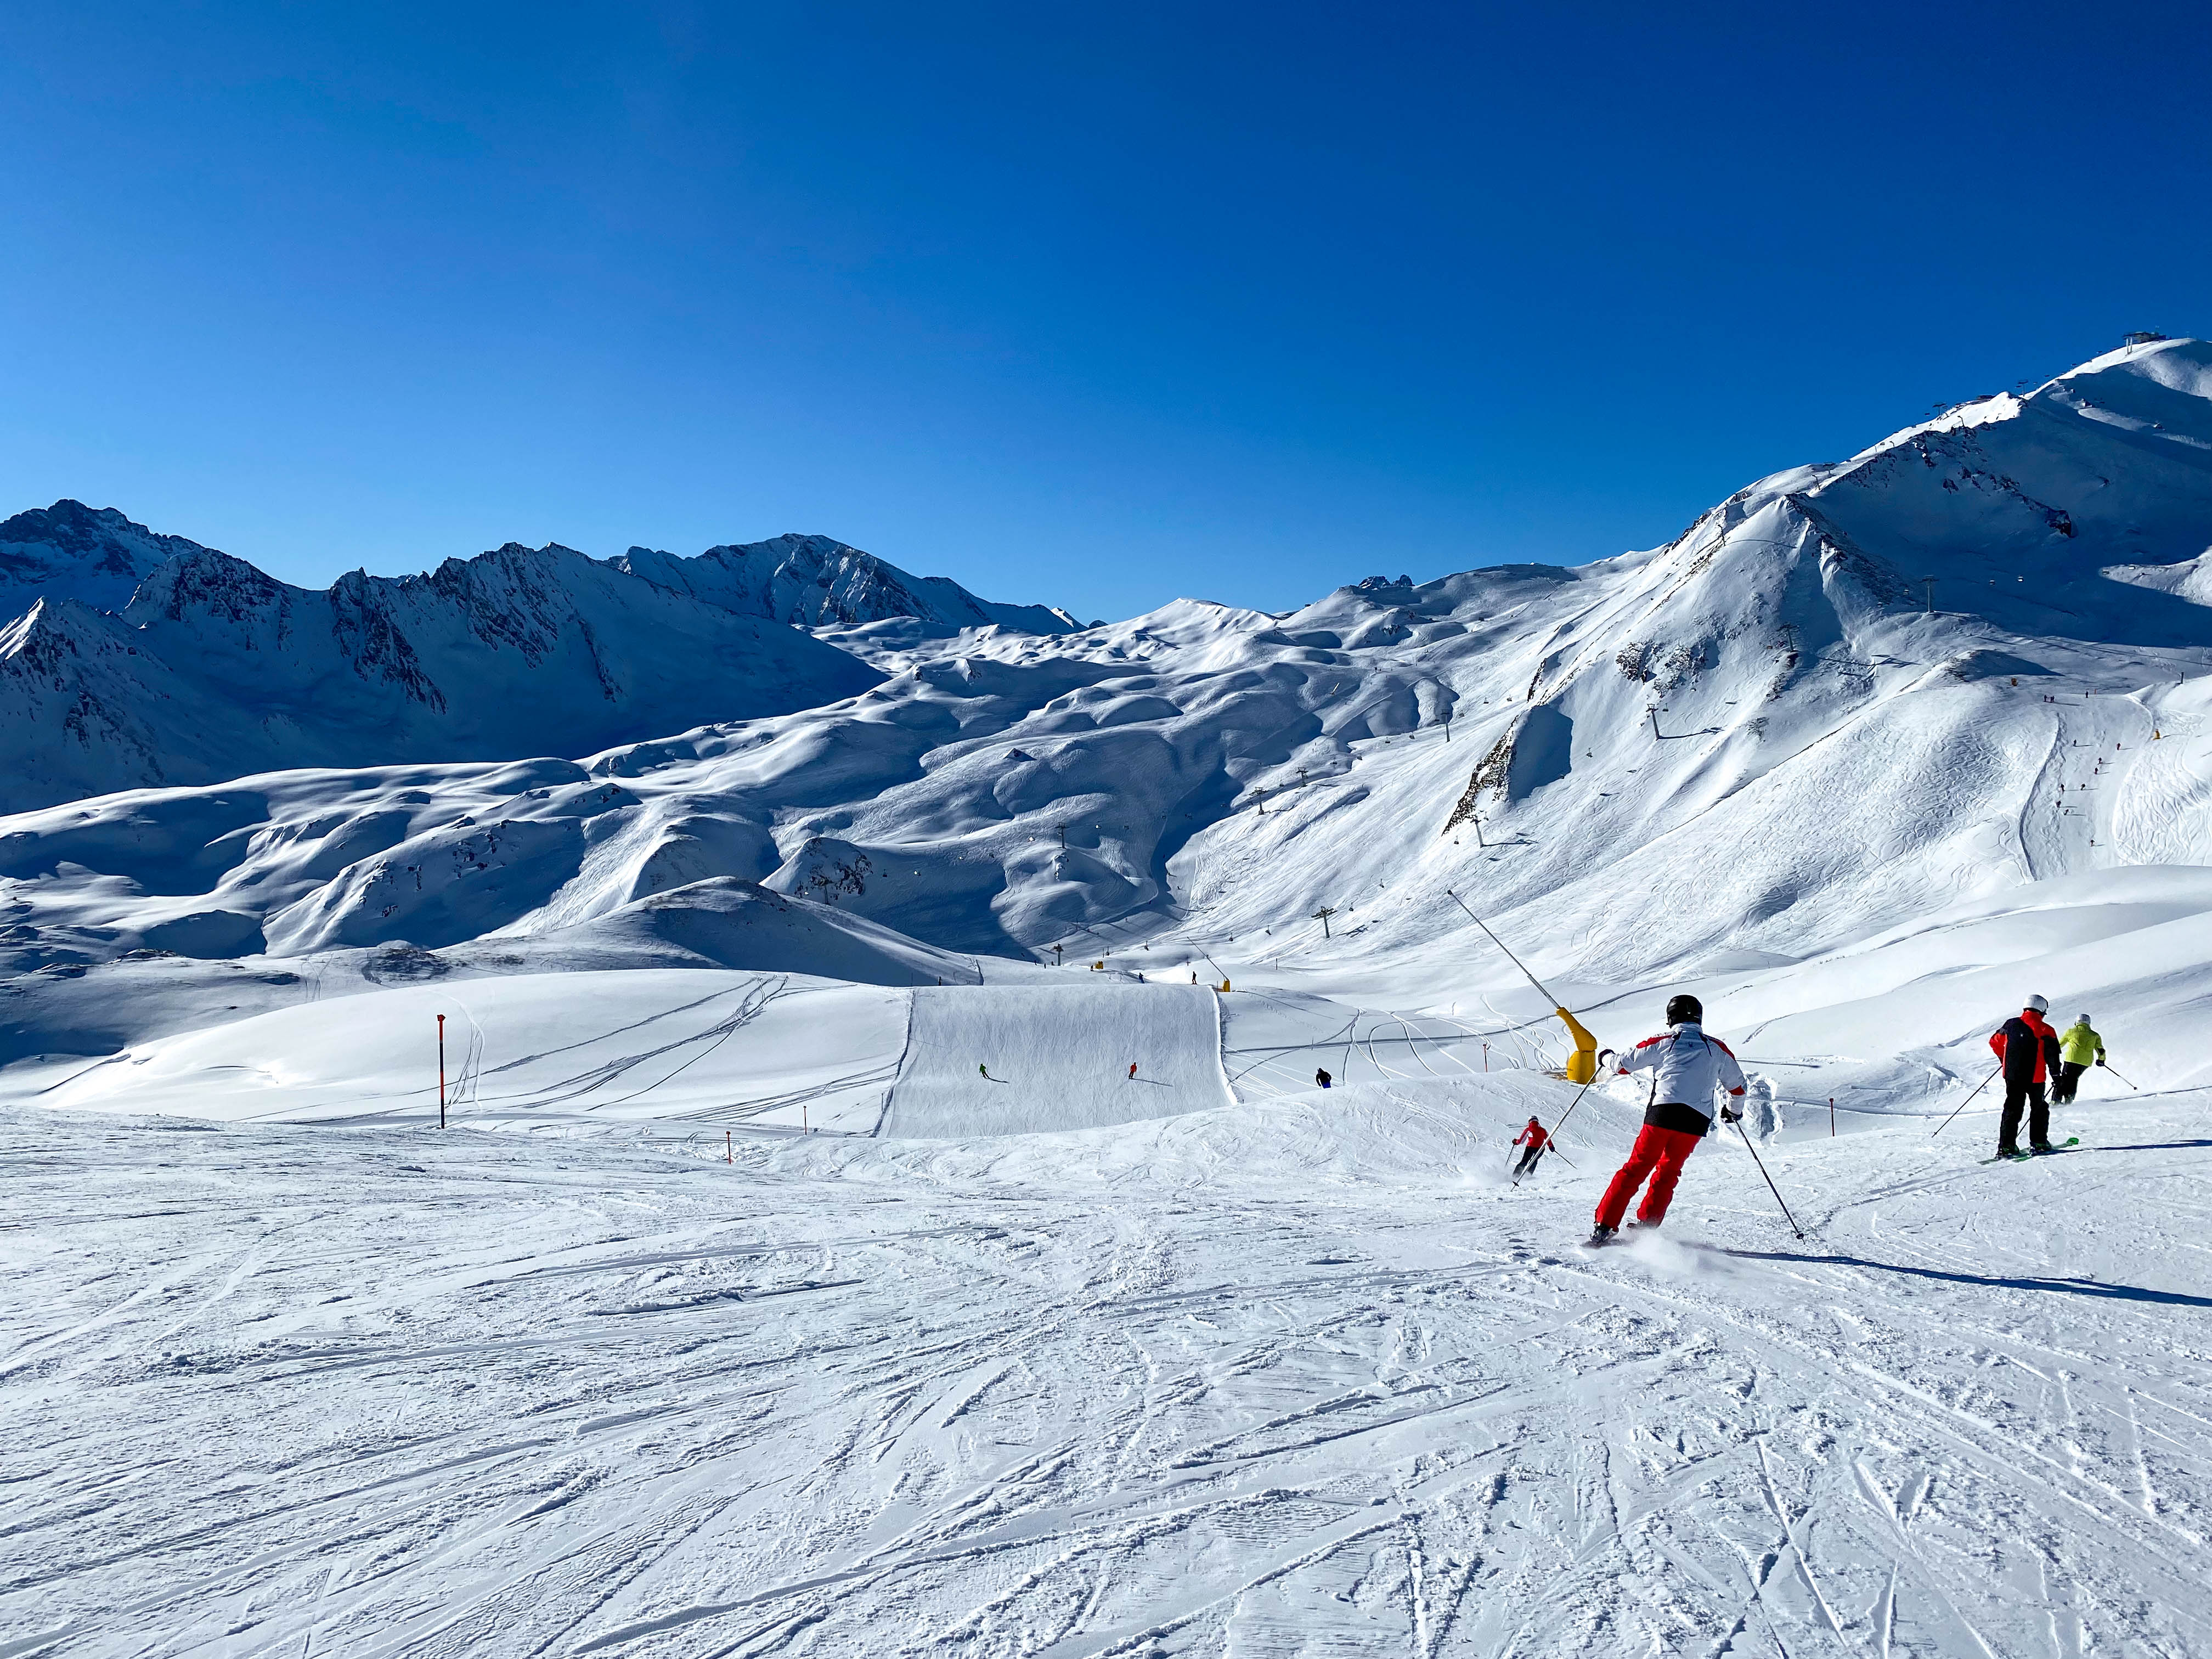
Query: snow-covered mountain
(812, 582)
(1737, 750)
(139, 658)
(71, 552)
(213, 667)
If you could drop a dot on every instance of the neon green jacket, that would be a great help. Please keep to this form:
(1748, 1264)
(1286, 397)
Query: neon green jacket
(2078, 1043)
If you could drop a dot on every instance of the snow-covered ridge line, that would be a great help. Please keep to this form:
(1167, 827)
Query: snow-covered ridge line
(140, 658)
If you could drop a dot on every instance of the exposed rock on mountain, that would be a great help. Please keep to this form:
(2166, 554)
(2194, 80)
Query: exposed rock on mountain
(71, 552)
(215, 669)
(812, 582)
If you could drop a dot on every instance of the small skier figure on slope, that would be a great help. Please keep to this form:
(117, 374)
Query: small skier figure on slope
(1687, 1067)
(1322, 1078)
(1535, 1139)
(2027, 1050)
(1132, 1071)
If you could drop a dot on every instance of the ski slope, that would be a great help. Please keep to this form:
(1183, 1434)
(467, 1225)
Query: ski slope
(558, 1053)
(1056, 1059)
(701, 1052)
(1302, 1377)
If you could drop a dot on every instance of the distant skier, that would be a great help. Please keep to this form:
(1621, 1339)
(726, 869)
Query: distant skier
(1535, 1140)
(1687, 1067)
(2027, 1048)
(1132, 1071)
(2079, 1046)
(984, 1071)
(1322, 1078)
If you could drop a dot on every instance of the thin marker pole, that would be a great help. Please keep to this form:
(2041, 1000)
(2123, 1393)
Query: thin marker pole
(441, 1071)
(1831, 1117)
(729, 1147)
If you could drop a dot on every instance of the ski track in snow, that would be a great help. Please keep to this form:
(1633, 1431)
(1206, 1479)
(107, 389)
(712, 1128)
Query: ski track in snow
(1207, 1386)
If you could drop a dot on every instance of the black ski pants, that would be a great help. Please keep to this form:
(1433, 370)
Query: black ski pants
(1527, 1161)
(2038, 1117)
(2069, 1079)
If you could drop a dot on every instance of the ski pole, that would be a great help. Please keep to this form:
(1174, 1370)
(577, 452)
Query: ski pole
(1569, 1112)
(1771, 1186)
(1963, 1104)
(2108, 1066)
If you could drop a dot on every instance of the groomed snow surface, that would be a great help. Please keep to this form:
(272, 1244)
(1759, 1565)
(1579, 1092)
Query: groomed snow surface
(1302, 1376)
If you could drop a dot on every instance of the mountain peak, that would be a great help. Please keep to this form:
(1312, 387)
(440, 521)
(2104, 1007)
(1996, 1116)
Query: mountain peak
(818, 581)
(93, 555)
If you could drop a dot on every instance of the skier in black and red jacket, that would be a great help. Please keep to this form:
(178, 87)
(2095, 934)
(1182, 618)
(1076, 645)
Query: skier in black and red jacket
(2028, 1048)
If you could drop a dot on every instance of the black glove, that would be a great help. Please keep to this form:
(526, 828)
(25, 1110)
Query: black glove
(1729, 1114)
(2100, 1060)
(1604, 1058)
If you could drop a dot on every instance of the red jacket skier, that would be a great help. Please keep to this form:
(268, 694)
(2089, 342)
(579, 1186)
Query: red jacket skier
(1687, 1066)
(2027, 1048)
(1535, 1139)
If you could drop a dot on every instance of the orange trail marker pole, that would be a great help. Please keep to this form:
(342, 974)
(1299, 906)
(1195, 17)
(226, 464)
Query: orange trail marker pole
(441, 1071)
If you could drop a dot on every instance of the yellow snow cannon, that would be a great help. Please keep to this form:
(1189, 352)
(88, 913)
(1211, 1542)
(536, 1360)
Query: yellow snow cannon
(1582, 1065)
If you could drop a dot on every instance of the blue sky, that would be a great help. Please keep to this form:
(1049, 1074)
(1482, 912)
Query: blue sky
(1093, 306)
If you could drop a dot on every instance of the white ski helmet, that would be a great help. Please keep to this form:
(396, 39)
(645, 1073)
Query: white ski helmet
(2041, 1005)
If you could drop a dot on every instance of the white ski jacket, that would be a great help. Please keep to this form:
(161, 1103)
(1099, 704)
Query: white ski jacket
(1690, 1067)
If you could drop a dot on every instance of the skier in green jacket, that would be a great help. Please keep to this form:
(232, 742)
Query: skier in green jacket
(2078, 1046)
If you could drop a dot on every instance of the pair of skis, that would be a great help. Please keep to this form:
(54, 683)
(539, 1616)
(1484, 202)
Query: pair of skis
(2022, 1158)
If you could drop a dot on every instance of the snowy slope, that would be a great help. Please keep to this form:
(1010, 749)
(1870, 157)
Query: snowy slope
(1058, 1057)
(1309, 1378)
(742, 1314)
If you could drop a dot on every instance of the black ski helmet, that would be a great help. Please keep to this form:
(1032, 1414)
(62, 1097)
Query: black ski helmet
(1684, 1009)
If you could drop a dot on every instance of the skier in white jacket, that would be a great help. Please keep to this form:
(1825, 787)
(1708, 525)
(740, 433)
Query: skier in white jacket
(1688, 1067)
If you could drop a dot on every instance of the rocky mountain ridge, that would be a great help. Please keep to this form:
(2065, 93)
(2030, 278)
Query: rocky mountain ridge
(146, 659)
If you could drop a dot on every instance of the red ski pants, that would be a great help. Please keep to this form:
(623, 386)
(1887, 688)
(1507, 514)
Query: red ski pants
(1658, 1153)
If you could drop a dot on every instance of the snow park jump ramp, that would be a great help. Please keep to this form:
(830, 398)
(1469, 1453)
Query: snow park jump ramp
(1057, 1058)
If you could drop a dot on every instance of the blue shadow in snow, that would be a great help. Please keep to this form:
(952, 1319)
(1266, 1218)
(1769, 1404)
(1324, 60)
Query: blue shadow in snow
(2071, 1286)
